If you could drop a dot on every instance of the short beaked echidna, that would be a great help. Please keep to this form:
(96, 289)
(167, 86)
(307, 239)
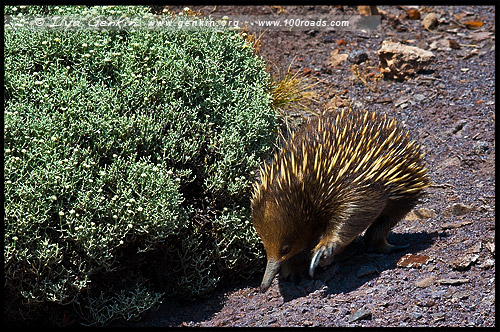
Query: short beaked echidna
(338, 175)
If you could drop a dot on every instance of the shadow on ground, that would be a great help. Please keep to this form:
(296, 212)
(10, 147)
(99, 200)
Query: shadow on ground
(356, 266)
(353, 268)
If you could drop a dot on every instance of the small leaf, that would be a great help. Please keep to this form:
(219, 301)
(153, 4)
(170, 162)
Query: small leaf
(413, 14)
(336, 59)
(411, 260)
(474, 24)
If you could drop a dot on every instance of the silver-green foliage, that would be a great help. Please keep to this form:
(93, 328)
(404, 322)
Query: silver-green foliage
(118, 139)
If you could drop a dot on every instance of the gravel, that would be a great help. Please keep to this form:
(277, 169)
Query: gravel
(450, 109)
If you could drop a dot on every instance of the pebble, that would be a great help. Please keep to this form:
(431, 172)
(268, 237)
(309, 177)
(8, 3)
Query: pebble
(360, 314)
(459, 209)
(413, 14)
(357, 57)
(476, 248)
(272, 320)
(419, 97)
(328, 38)
(458, 126)
(452, 225)
(401, 100)
(460, 295)
(430, 21)
(428, 303)
(463, 263)
(438, 316)
(481, 147)
(491, 246)
(415, 315)
(421, 213)
(449, 281)
(426, 282)
(437, 294)
(487, 264)
(400, 61)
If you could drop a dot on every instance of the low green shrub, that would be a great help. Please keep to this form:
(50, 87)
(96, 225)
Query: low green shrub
(128, 161)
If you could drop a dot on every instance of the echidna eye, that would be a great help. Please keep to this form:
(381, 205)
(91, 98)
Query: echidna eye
(285, 249)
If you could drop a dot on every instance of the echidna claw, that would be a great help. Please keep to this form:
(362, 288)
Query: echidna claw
(315, 261)
(323, 256)
(328, 252)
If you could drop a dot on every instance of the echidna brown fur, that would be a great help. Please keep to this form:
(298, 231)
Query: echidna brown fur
(340, 174)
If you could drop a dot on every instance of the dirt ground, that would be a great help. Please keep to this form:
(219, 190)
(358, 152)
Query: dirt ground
(447, 275)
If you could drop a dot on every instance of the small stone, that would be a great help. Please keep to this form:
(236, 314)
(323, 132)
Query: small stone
(436, 294)
(459, 209)
(420, 97)
(454, 44)
(481, 147)
(438, 316)
(401, 100)
(491, 246)
(328, 38)
(427, 303)
(400, 61)
(463, 263)
(426, 282)
(460, 295)
(336, 59)
(360, 314)
(430, 21)
(453, 282)
(487, 264)
(312, 32)
(272, 320)
(476, 248)
(442, 44)
(422, 213)
(415, 315)
(452, 225)
(357, 57)
(458, 126)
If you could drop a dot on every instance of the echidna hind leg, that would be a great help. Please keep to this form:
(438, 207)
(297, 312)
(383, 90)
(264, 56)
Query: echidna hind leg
(376, 234)
(376, 238)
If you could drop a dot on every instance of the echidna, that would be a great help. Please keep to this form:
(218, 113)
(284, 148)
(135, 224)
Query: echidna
(338, 175)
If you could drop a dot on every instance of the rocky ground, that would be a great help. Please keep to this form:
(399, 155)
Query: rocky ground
(447, 275)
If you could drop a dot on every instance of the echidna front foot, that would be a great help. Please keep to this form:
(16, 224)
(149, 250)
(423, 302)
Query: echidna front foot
(323, 255)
